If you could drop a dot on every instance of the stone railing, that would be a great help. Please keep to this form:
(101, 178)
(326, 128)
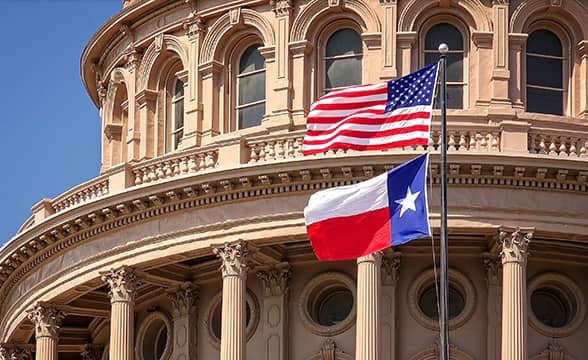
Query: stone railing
(175, 164)
(563, 145)
(81, 194)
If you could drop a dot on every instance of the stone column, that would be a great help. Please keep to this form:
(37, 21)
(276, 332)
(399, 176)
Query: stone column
(494, 313)
(234, 270)
(367, 340)
(514, 298)
(390, 272)
(276, 284)
(123, 285)
(184, 299)
(47, 319)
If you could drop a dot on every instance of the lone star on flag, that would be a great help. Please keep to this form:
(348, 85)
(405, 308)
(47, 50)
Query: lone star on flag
(408, 201)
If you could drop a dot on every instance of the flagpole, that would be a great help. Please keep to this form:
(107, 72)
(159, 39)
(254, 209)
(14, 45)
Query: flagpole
(443, 326)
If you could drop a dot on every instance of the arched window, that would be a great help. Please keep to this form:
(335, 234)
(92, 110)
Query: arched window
(447, 33)
(178, 113)
(251, 88)
(342, 60)
(545, 86)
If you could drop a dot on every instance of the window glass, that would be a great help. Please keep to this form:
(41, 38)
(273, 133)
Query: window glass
(447, 33)
(550, 307)
(332, 307)
(343, 56)
(178, 113)
(251, 88)
(155, 340)
(545, 85)
(428, 303)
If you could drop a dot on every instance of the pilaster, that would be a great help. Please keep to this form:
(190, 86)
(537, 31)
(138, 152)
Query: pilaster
(47, 319)
(195, 30)
(276, 289)
(582, 48)
(514, 254)
(184, 299)
(209, 75)
(367, 340)
(146, 101)
(500, 70)
(123, 284)
(389, 25)
(406, 41)
(390, 275)
(483, 42)
(301, 92)
(518, 77)
(234, 258)
(493, 272)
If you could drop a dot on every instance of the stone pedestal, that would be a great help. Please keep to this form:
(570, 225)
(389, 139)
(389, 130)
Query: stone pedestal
(234, 271)
(367, 343)
(514, 293)
(47, 319)
(123, 285)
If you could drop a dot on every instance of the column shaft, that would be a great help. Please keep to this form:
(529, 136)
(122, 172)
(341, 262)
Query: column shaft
(367, 344)
(46, 348)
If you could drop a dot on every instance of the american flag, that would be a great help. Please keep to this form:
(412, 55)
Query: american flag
(379, 116)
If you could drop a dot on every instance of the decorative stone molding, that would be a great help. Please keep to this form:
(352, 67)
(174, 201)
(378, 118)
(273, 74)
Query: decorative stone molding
(11, 352)
(123, 283)
(184, 298)
(432, 353)
(553, 351)
(47, 319)
(413, 10)
(492, 267)
(515, 245)
(281, 7)
(153, 51)
(330, 351)
(573, 296)
(391, 269)
(234, 258)
(92, 352)
(317, 284)
(276, 280)
(195, 28)
(457, 280)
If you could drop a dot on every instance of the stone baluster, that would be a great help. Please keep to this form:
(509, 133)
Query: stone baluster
(367, 340)
(276, 286)
(514, 299)
(123, 284)
(494, 308)
(184, 299)
(234, 271)
(390, 273)
(47, 319)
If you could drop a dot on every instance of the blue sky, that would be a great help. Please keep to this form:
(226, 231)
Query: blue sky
(50, 129)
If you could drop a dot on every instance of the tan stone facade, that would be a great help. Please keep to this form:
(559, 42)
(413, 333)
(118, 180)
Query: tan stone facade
(191, 242)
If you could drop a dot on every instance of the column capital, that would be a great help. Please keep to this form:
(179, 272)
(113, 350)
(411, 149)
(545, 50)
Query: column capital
(391, 269)
(11, 352)
(123, 283)
(92, 352)
(515, 245)
(375, 257)
(47, 319)
(184, 298)
(492, 268)
(195, 28)
(234, 258)
(276, 279)
(281, 7)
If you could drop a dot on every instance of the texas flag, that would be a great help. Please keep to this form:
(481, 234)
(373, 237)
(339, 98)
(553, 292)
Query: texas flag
(351, 221)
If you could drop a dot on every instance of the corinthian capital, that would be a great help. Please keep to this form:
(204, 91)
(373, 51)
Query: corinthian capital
(515, 245)
(234, 258)
(184, 298)
(281, 7)
(391, 269)
(123, 284)
(10, 352)
(276, 280)
(47, 319)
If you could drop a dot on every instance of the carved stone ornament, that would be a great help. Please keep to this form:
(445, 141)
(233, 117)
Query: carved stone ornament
(92, 352)
(195, 27)
(281, 7)
(514, 246)
(390, 269)
(234, 258)
(554, 351)
(133, 58)
(328, 349)
(8, 352)
(492, 267)
(500, 2)
(123, 283)
(276, 280)
(184, 298)
(47, 319)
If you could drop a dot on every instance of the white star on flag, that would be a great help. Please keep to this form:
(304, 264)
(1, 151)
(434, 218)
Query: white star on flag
(408, 201)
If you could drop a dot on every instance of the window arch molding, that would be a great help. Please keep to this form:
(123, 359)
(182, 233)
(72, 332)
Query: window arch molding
(470, 10)
(567, 55)
(322, 38)
(465, 30)
(159, 49)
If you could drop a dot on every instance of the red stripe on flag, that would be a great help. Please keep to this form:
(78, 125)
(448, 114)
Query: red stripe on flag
(369, 121)
(367, 134)
(360, 92)
(348, 106)
(349, 146)
(350, 237)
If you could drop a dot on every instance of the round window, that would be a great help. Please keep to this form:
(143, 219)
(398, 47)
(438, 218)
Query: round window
(214, 317)
(332, 306)
(154, 338)
(551, 307)
(428, 303)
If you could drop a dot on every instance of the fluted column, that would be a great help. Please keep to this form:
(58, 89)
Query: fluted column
(390, 274)
(367, 340)
(47, 319)
(123, 284)
(514, 293)
(184, 299)
(276, 285)
(234, 270)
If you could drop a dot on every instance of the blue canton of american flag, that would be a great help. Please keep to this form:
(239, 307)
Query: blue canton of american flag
(379, 116)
